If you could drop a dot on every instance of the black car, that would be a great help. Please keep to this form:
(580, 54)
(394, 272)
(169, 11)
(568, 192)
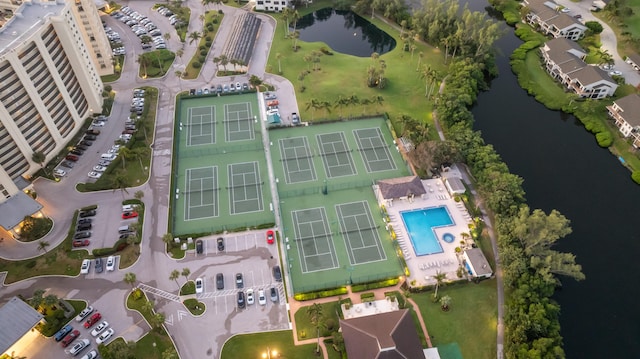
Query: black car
(77, 151)
(277, 274)
(239, 281)
(83, 227)
(90, 213)
(219, 281)
(68, 164)
(192, 92)
(199, 246)
(86, 143)
(81, 235)
(220, 241)
(99, 266)
(82, 147)
(85, 220)
(219, 89)
(241, 301)
(245, 87)
(90, 137)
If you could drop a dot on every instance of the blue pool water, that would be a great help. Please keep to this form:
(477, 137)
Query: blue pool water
(420, 224)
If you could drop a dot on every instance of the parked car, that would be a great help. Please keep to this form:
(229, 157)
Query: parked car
(73, 158)
(239, 280)
(127, 215)
(59, 173)
(270, 237)
(84, 268)
(67, 164)
(89, 137)
(98, 265)
(94, 174)
(91, 355)
(273, 292)
(86, 143)
(262, 300)
(85, 220)
(63, 332)
(70, 338)
(219, 281)
(92, 131)
(245, 86)
(277, 273)
(78, 347)
(99, 168)
(82, 147)
(85, 312)
(100, 328)
(92, 320)
(220, 241)
(295, 119)
(83, 227)
(250, 299)
(77, 152)
(82, 235)
(111, 263)
(199, 246)
(81, 242)
(241, 303)
(199, 285)
(89, 213)
(104, 163)
(104, 336)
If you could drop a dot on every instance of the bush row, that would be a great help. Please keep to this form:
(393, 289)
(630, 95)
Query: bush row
(320, 294)
(375, 285)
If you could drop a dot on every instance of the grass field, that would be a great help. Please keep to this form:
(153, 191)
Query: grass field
(471, 321)
(345, 75)
(306, 330)
(254, 345)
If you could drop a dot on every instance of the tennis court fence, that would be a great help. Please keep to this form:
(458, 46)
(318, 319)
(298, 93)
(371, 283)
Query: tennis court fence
(355, 279)
(330, 187)
(218, 150)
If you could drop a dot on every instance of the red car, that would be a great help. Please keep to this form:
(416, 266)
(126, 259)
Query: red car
(70, 338)
(127, 215)
(93, 320)
(73, 158)
(81, 243)
(270, 237)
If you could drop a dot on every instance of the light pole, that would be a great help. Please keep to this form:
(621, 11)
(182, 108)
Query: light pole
(270, 354)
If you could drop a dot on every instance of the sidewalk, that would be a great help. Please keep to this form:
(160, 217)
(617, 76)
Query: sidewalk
(295, 305)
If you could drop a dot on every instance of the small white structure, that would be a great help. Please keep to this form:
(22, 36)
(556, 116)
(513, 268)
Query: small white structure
(476, 263)
(454, 185)
(271, 5)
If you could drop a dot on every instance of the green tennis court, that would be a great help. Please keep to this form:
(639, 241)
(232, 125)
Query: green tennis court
(315, 242)
(201, 193)
(245, 188)
(375, 152)
(297, 160)
(360, 233)
(200, 126)
(238, 122)
(336, 155)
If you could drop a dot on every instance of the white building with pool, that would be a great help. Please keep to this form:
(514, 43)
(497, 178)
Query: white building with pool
(429, 224)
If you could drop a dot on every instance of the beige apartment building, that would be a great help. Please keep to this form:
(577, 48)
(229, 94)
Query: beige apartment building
(49, 82)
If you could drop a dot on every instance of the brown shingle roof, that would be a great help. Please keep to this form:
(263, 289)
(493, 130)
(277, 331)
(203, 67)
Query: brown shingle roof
(563, 21)
(390, 335)
(630, 106)
(591, 74)
(635, 58)
(401, 187)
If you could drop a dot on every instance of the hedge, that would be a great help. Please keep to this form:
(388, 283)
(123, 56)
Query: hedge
(375, 285)
(320, 294)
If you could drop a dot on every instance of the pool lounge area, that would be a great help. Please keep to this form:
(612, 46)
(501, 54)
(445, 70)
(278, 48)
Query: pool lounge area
(430, 248)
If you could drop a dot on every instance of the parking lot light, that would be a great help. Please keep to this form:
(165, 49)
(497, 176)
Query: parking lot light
(270, 354)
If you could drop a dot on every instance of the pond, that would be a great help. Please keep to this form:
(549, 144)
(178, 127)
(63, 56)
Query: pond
(344, 32)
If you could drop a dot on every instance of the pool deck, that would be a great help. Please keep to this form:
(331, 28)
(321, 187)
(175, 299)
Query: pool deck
(423, 268)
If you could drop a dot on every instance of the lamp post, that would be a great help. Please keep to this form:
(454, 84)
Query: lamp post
(270, 354)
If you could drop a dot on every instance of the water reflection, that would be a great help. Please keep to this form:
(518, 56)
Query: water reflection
(345, 32)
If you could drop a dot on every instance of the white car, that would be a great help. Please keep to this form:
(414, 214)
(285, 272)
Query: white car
(100, 328)
(76, 349)
(99, 168)
(85, 312)
(105, 336)
(98, 124)
(84, 269)
(262, 299)
(111, 263)
(615, 73)
(199, 285)
(60, 173)
(250, 299)
(94, 174)
(91, 355)
(565, 10)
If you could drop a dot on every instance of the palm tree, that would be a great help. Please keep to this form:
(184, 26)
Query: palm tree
(14, 356)
(314, 105)
(51, 300)
(39, 157)
(377, 99)
(42, 246)
(147, 307)
(294, 37)
(224, 60)
(175, 274)
(439, 277)
(194, 36)
(326, 105)
(279, 57)
(126, 154)
(157, 320)
(234, 62)
(255, 81)
(364, 102)
(420, 56)
(167, 238)
(445, 302)
(138, 195)
(315, 317)
(185, 273)
(130, 278)
(341, 102)
(120, 182)
(144, 61)
(286, 16)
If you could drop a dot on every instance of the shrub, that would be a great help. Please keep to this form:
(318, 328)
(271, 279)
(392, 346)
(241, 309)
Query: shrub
(320, 294)
(196, 64)
(203, 52)
(208, 44)
(374, 285)
(202, 47)
(88, 208)
(202, 59)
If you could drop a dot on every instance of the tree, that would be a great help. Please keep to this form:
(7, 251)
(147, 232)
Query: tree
(341, 102)
(147, 307)
(255, 81)
(175, 274)
(138, 194)
(594, 26)
(167, 36)
(294, 35)
(126, 154)
(439, 277)
(445, 302)
(42, 245)
(51, 300)
(167, 238)
(37, 298)
(315, 314)
(130, 278)
(194, 36)
(157, 320)
(144, 61)
(224, 60)
(313, 105)
(145, 39)
(39, 157)
(185, 273)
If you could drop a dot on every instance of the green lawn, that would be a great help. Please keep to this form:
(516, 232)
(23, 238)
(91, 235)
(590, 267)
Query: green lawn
(254, 345)
(471, 322)
(345, 75)
(306, 330)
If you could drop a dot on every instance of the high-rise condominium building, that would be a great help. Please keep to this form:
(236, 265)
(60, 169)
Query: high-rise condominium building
(49, 81)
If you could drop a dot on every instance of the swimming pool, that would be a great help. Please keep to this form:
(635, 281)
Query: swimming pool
(420, 224)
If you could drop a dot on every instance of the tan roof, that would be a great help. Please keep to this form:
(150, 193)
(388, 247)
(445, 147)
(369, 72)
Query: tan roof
(630, 106)
(591, 74)
(564, 21)
(572, 65)
(390, 335)
(563, 45)
(401, 187)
